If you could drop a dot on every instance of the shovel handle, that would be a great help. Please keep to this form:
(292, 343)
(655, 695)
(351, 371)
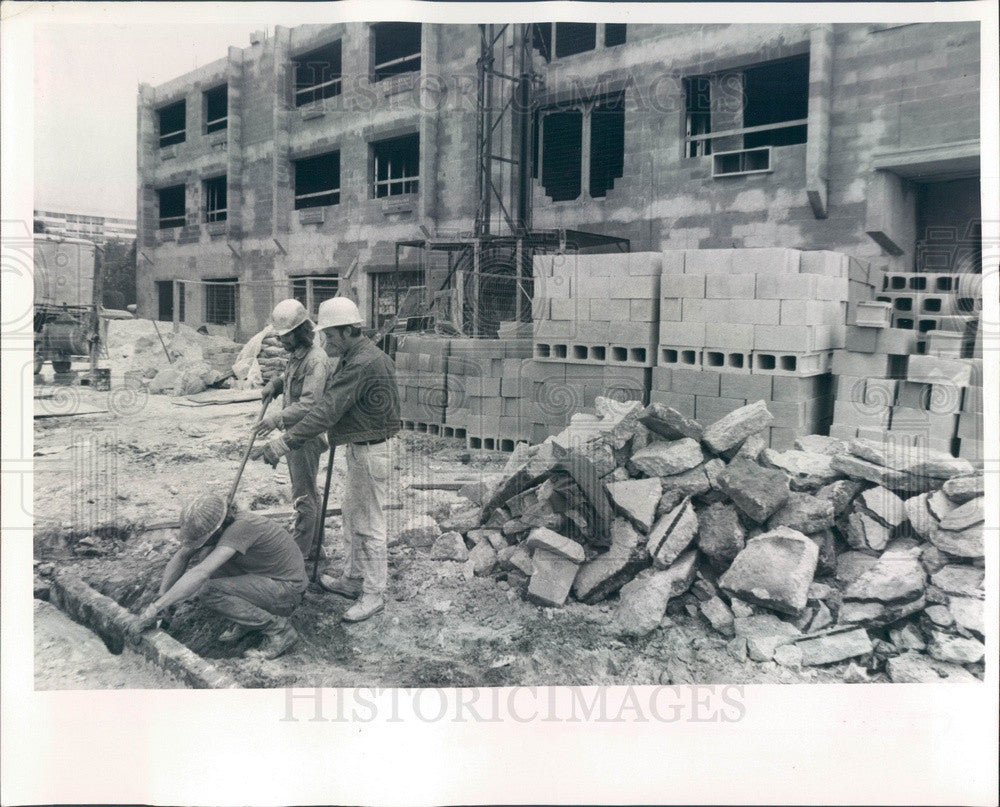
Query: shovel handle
(246, 454)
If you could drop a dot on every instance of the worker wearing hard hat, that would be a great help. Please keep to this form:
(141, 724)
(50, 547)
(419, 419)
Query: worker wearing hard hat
(301, 386)
(252, 573)
(360, 409)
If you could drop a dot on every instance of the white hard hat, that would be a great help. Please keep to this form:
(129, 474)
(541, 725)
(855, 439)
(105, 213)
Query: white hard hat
(338, 311)
(287, 316)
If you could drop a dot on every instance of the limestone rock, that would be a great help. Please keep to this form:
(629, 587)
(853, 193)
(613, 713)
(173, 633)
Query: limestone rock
(827, 545)
(480, 535)
(922, 521)
(875, 613)
(939, 505)
(643, 601)
(967, 612)
(636, 500)
(483, 558)
(835, 647)
(883, 505)
(757, 492)
(541, 538)
(732, 429)
(807, 470)
(449, 546)
(819, 444)
(663, 458)
(962, 581)
(967, 543)
(859, 468)
(964, 516)
(822, 618)
(764, 633)
(750, 449)
(774, 570)
(914, 461)
(891, 577)
(551, 579)
(915, 668)
(720, 534)
(851, 565)
(788, 655)
(955, 649)
(672, 534)
(604, 575)
(419, 531)
(961, 489)
(864, 532)
(719, 615)
(803, 512)
(667, 422)
(840, 494)
(907, 637)
(520, 559)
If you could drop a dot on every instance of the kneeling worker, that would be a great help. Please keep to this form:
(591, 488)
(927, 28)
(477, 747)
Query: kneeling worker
(360, 409)
(253, 573)
(300, 386)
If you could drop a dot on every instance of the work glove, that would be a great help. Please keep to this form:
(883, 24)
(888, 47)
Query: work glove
(270, 452)
(268, 424)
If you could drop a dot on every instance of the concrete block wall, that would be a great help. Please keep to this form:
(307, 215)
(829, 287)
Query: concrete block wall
(421, 375)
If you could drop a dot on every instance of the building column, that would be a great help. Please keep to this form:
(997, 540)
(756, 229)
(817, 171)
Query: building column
(820, 98)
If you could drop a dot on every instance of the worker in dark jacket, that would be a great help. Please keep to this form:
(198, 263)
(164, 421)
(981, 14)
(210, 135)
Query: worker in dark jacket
(359, 410)
(301, 386)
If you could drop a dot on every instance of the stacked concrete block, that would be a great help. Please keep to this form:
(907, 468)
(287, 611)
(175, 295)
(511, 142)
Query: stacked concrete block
(422, 380)
(597, 309)
(939, 301)
(741, 325)
(485, 387)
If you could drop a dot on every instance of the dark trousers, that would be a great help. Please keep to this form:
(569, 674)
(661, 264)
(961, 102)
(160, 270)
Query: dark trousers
(253, 600)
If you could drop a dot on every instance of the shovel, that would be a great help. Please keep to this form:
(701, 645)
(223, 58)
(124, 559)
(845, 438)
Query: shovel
(246, 455)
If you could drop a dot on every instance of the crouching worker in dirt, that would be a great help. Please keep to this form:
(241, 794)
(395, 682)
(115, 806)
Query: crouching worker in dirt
(360, 408)
(251, 572)
(300, 387)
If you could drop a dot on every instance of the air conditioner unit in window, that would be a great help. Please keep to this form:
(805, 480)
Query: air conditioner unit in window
(744, 161)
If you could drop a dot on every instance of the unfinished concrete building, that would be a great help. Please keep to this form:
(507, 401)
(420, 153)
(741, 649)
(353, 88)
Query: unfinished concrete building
(319, 150)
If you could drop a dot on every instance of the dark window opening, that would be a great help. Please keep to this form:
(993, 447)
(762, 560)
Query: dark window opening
(562, 149)
(165, 300)
(698, 102)
(614, 34)
(172, 122)
(575, 37)
(215, 199)
(318, 74)
(396, 166)
(311, 290)
(389, 290)
(774, 93)
(220, 301)
(317, 181)
(217, 109)
(172, 210)
(396, 48)
(607, 144)
(541, 39)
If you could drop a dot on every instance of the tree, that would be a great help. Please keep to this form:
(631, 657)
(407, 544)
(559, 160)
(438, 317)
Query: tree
(119, 262)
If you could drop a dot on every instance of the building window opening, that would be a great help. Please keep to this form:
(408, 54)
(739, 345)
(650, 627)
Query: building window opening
(607, 144)
(396, 166)
(614, 34)
(318, 74)
(217, 109)
(396, 49)
(698, 95)
(220, 301)
(165, 300)
(575, 37)
(172, 122)
(312, 290)
(215, 199)
(171, 206)
(541, 39)
(317, 181)
(562, 146)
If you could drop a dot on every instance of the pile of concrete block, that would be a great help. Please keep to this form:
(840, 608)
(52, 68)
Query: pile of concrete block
(422, 381)
(740, 325)
(811, 556)
(485, 379)
(935, 302)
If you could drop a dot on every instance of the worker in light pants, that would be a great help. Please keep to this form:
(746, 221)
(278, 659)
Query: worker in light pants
(300, 386)
(360, 410)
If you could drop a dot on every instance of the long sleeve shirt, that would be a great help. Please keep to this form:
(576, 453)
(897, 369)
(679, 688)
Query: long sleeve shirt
(302, 383)
(359, 404)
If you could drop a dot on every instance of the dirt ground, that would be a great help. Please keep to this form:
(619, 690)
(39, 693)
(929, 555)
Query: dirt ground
(101, 478)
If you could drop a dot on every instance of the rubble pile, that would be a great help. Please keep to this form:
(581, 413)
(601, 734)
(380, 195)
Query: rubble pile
(829, 552)
(272, 357)
(184, 363)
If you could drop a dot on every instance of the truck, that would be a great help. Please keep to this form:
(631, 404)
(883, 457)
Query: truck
(67, 301)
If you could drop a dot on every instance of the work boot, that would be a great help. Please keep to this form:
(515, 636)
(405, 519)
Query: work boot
(277, 642)
(367, 606)
(234, 633)
(349, 587)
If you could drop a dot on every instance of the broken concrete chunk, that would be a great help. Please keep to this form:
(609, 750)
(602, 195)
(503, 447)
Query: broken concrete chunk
(478, 536)
(922, 521)
(939, 505)
(964, 516)
(912, 460)
(449, 546)
(864, 532)
(859, 468)
(636, 500)
(803, 512)
(619, 420)
(939, 616)
(835, 647)
(827, 545)
(883, 505)
(806, 470)
(967, 543)
(551, 579)
(967, 612)
(667, 422)
(419, 531)
(643, 602)
(483, 558)
(907, 637)
(764, 633)
(758, 492)
(750, 449)
(962, 581)
(788, 655)
(840, 494)
(961, 489)
(875, 613)
(720, 534)
(955, 649)
(851, 565)
(672, 534)
(819, 444)
(732, 429)
(541, 538)
(604, 575)
(666, 458)
(916, 668)
(892, 577)
(580, 466)
(719, 615)
(822, 619)
(520, 559)
(774, 570)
